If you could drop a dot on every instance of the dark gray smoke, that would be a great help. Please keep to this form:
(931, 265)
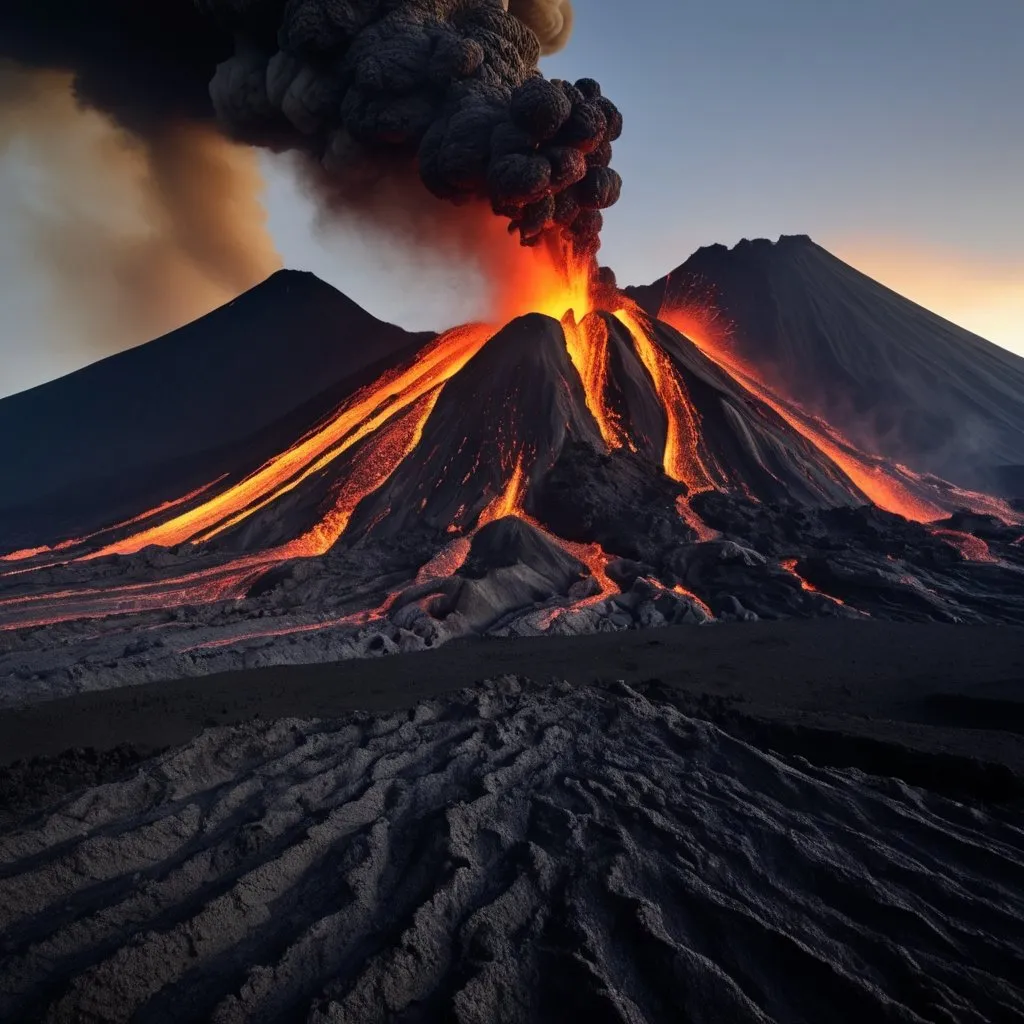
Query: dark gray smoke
(450, 87)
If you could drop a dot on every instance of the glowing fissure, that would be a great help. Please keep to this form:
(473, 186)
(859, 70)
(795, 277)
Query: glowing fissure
(790, 564)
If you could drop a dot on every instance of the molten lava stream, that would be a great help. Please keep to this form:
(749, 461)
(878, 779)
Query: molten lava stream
(682, 459)
(587, 343)
(869, 475)
(209, 586)
(370, 468)
(365, 413)
(973, 549)
(65, 545)
(790, 564)
(510, 502)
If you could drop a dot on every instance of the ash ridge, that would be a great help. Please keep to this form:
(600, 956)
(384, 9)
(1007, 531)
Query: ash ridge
(517, 852)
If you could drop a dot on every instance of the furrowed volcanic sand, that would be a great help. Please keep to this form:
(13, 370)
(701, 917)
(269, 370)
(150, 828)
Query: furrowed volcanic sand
(515, 853)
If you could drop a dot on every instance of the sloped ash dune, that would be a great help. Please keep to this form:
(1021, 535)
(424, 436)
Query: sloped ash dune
(514, 853)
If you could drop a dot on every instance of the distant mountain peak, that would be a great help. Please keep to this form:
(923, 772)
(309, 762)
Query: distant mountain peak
(753, 245)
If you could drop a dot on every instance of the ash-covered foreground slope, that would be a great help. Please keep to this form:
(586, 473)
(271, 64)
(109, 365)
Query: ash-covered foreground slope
(216, 397)
(516, 853)
(894, 377)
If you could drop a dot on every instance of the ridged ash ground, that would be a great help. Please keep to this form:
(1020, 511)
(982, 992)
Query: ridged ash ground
(514, 853)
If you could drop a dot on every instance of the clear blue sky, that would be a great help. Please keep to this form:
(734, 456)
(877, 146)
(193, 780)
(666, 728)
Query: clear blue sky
(892, 131)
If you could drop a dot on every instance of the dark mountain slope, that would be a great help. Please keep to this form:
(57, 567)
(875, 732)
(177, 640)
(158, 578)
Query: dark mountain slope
(148, 424)
(894, 377)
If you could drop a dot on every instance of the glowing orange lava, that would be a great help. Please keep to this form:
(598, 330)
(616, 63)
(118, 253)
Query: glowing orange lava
(690, 595)
(587, 343)
(365, 413)
(511, 501)
(871, 475)
(64, 545)
(973, 549)
(790, 564)
(682, 460)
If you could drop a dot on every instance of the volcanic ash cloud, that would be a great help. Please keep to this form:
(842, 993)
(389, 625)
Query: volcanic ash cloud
(449, 89)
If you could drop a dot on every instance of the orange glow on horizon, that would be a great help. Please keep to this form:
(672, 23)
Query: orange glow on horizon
(981, 295)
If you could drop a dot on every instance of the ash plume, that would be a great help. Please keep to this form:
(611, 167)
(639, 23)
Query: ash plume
(448, 87)
(549, 20)
(134, 235)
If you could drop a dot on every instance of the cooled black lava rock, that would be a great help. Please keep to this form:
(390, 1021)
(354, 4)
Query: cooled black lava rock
(619, 500)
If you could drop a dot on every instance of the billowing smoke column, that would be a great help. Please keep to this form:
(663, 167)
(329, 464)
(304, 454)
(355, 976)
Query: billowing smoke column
(449, 86)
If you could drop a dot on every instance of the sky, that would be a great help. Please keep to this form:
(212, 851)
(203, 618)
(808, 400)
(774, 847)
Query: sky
(891, 131)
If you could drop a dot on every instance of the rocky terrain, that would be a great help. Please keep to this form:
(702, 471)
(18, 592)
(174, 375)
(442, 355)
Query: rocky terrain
(516, 852)
(377, 492)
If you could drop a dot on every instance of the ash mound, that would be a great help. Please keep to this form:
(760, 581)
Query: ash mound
(894, 377)
(508, 854)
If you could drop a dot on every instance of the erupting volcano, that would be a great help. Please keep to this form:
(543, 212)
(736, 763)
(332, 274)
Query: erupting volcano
(588, 464)
(653, 802)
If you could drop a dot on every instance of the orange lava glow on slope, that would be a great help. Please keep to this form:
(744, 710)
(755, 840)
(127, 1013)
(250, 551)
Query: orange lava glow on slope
(207, 586)
(682, 460)
(365, 413)
(372, 468)
(65, 545)
(871, 476)
(587, 343)
(511, 502)
(691, 596)
(789, 564)
(973, 549)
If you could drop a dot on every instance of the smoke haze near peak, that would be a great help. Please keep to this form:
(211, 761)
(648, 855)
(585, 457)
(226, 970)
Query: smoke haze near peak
(128, 236)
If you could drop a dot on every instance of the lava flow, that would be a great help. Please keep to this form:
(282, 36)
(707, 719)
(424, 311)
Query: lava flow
(790, 564)
(973, 549)
(356, 450)
(889, 485)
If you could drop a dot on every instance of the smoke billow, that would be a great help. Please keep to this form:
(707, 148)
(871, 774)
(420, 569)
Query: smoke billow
(136, 234)
(549, 20)
(363, 89)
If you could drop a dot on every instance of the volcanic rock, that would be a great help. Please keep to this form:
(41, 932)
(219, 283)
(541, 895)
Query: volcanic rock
(514, 853)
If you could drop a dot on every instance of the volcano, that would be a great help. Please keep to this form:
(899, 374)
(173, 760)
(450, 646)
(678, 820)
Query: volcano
(292, 479)
(891, 375)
